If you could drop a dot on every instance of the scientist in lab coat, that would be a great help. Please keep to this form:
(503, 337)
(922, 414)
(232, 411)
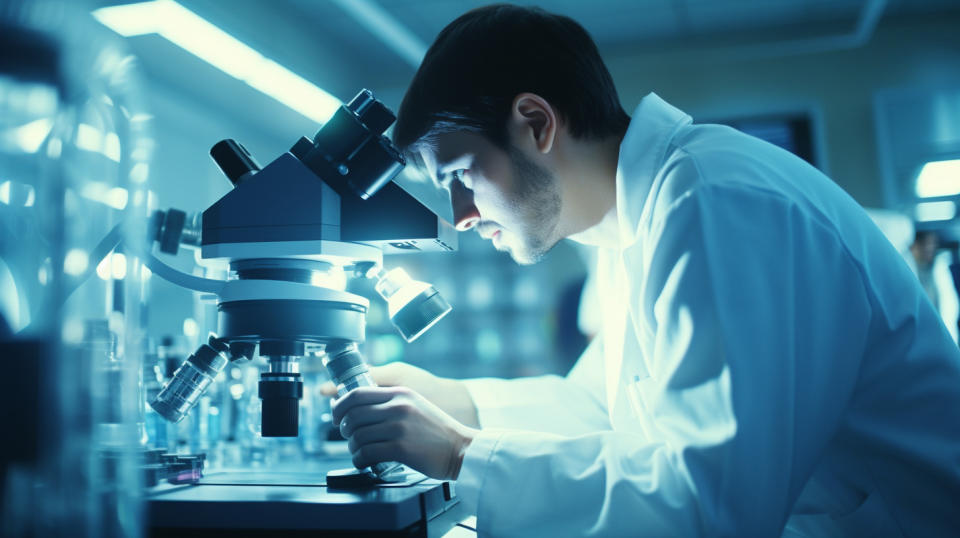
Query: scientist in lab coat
(767, 363)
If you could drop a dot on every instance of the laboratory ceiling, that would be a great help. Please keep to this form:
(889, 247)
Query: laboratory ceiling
(341, 45)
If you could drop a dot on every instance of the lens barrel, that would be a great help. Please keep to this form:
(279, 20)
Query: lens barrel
(191, 380)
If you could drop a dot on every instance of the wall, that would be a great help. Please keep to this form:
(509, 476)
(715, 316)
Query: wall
(837, 87)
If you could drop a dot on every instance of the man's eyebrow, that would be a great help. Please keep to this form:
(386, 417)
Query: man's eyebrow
(415, 157)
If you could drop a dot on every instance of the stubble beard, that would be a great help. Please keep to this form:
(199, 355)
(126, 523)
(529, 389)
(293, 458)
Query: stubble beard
(536, 200)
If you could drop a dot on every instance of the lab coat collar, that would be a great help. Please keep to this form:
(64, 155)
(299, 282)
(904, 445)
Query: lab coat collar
(642, 153)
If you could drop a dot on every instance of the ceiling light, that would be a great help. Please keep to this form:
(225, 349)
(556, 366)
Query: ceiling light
(939, 178)
(936, 211)
(206, 41)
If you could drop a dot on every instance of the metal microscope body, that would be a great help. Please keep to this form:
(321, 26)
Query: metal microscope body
(293, 233)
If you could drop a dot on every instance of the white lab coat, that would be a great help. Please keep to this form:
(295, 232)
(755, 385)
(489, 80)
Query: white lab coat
(767, 366)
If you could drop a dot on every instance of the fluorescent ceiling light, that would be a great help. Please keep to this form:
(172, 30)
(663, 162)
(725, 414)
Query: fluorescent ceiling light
(199, 37)
(130, 19)
(936, 211)
(939, 178)
(386, 28)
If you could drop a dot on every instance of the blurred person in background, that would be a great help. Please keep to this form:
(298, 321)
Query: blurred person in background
(923, 250)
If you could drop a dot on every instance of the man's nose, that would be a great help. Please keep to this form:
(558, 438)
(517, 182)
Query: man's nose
(465, 214)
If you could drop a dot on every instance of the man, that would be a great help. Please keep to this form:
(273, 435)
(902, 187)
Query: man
(923, 250)
(767, 363)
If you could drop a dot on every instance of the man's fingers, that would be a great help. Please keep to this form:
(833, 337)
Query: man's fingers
(374, 433)
(378, 452)
(366, 415)
(360, 396)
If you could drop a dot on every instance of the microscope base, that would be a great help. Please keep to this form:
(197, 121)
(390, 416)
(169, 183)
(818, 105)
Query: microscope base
(301, 503)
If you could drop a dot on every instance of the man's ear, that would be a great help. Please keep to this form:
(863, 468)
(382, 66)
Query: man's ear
(534, 117)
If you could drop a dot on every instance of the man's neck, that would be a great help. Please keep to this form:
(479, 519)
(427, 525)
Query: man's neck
(588, 173)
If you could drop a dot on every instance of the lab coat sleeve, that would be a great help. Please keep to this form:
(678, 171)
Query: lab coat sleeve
(571, 405)
(757, 315)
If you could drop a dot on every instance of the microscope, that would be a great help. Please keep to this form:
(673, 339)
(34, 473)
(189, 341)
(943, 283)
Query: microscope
(293, 233)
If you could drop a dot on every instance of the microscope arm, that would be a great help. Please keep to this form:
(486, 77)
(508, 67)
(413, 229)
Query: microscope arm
(184, 280)
(106, 245)
(159, 268)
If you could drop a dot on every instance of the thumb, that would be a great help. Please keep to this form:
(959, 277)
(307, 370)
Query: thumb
(328, 389)
(388, 375)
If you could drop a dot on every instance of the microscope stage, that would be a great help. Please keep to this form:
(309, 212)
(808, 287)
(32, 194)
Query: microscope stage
(264, 502)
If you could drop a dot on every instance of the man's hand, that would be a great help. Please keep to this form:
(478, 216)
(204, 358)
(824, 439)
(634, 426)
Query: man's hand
(398, 424)
(450, 395)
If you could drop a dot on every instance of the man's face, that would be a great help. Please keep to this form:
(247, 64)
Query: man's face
(505, 196)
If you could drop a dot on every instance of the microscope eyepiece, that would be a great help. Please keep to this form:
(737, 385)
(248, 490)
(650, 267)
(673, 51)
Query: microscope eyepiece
(234, 160)
(361, 101)
(350, 151)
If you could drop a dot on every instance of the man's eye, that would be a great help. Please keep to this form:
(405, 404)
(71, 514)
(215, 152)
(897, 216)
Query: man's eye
(458, 175)
(461, 176)
(444, 181)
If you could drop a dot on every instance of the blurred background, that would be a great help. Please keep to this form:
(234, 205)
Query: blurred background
(868, 91)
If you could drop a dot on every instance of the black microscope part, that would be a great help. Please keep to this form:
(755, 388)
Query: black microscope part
(172, 228)
(350, 149)
(374, 114)
(242, 350)
(234, 160)
(205, 358)
(281, 394)
(282, 348)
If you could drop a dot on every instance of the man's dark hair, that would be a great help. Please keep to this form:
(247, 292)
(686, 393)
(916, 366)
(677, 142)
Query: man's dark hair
(486, 57)
(922, 235)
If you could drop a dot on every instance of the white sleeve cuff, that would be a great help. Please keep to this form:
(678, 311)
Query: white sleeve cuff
(473, 469)
(488, 396)
(546, 403)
